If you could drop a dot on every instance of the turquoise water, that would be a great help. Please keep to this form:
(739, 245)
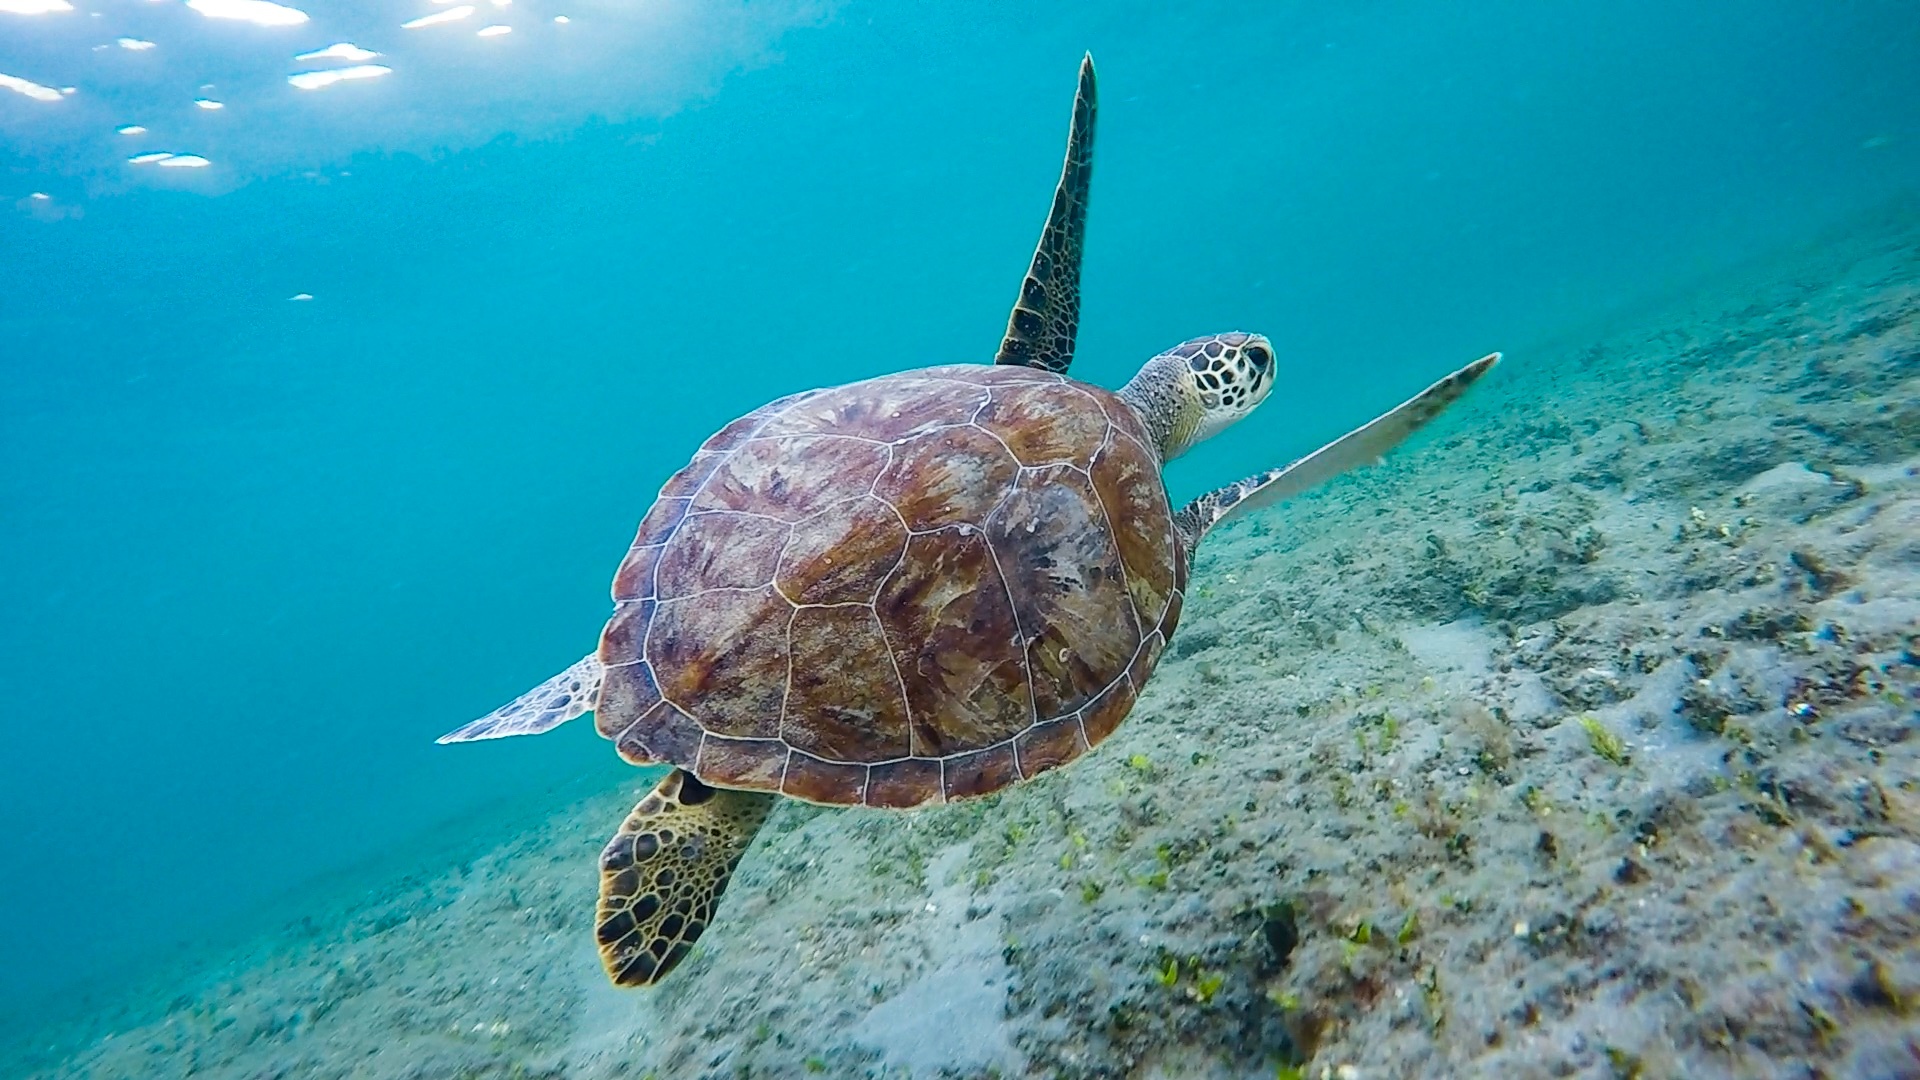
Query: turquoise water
(258, 552)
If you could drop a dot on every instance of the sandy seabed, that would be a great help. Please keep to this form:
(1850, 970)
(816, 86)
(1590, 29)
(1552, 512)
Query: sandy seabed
(1576, 740)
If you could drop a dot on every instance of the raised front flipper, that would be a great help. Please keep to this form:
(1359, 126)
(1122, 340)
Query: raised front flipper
(663, 872)
(543, 708)
(1364, 445)
(1045, 319)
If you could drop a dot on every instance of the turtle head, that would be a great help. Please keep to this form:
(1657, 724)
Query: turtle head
(1198, 388)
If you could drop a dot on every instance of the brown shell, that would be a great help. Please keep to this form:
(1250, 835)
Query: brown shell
(916, 588)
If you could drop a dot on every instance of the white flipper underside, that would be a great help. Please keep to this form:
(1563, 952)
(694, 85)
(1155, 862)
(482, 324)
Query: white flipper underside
(543, 708)
(1364, 445)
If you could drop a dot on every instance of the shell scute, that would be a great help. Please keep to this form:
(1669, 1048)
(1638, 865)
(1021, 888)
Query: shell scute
(842, 554)
(1069, 591)
(997, 375)
(956, 644)
(897, 408)
(662, 519)
(843, 703)
(1046, 423)
(623, 642)
(938, 479)
(720, 550)
(1127, 480)
(980, 773)
(794, 477)
(905, 783)
(749, 763)
(746, 427)
(634, 579)
(1049, 745)
(807, 777)
(686, 482)
(722, 657)
(1171, 619)
(1107, 709)
(626, 691)
(661, 734)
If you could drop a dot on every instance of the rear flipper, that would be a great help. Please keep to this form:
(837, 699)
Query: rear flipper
(664, 871)
(543, 708)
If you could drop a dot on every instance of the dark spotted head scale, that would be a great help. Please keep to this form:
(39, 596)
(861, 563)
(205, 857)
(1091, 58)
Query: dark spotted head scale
(1232, 372)
(1198, 388)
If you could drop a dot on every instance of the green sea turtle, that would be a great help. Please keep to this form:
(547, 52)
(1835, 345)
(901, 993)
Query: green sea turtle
(909, 590)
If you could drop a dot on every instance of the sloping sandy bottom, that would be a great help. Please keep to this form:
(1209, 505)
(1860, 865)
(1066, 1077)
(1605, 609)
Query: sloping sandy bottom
(1576, 741)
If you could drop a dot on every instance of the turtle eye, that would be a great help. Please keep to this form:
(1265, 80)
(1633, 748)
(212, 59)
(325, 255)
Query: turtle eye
(1260, 357)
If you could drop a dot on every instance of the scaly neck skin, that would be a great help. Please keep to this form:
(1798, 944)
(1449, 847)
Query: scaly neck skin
(1158, 395)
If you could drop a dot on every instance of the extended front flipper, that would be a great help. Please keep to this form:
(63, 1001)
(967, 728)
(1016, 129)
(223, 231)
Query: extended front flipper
(1362, 446)
(1045, 319)
(543, 708)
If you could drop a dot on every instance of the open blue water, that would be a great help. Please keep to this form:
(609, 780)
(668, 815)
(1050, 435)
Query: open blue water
(256, 553)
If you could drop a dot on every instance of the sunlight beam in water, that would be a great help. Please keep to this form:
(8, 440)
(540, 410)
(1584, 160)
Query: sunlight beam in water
(257, 12)
(28, 87)
(340, 50)
(438, 17)
(647, 60)
(315, 80)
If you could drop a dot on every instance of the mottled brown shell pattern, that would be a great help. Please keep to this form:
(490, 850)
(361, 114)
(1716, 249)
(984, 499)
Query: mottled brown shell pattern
(917, 588)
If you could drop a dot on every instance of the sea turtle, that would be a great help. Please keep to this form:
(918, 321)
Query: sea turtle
(914, 589)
